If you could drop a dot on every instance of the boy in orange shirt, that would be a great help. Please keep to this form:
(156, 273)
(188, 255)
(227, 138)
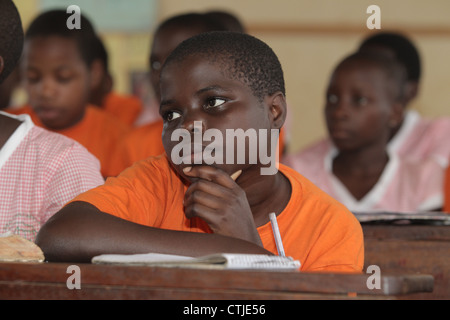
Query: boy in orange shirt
(60, 70)
(216, 81)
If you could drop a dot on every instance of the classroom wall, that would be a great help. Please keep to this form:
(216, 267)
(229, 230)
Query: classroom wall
(310, 37)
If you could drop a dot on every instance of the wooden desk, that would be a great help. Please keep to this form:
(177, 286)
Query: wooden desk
(414, 249)
(48, 281)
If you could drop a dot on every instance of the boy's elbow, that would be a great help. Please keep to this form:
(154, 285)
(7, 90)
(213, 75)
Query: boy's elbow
(51, 241)
(56, 237)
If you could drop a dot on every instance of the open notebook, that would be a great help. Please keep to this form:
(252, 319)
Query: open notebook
(214, 261)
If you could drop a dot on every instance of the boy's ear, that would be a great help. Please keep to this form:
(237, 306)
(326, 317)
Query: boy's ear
(277, 109)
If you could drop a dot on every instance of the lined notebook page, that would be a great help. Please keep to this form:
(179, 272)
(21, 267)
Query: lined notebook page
(214, 261)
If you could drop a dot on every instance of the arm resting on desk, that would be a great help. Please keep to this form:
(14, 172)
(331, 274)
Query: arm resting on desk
(80, 231)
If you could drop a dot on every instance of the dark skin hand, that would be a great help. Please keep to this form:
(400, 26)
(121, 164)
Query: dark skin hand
(89, 232)
(208, 198)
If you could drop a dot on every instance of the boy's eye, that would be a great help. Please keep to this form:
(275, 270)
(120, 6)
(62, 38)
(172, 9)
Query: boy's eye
(214, 103)
(172, 115)
(32, 77)
(64, 79)
(156, 65)
(332, 98)
(361, 101)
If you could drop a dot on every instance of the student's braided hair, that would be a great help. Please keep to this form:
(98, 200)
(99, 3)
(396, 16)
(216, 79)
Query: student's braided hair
(245, 58)
(11, 37)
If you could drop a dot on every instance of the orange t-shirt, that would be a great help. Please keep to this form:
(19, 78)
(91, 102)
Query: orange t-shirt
(315, 228)
(447, 191)
(98, 131)
(124, 107)
(138, 144)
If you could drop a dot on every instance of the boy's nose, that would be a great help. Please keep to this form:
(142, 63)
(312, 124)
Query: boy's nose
(195, 125)
(341, 109)
(48, 88)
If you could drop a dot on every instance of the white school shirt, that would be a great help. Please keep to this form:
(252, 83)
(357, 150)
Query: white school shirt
(404, 186)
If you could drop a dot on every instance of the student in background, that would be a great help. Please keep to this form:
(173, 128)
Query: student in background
(145, 141)
(40, 171)
(414, 137)
(235, 82)
(126, 108)
(59, 73)
(364, 102)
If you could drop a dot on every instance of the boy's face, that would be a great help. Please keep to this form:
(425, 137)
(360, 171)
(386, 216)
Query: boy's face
(196, 90)
(57, 80)
(359, 106)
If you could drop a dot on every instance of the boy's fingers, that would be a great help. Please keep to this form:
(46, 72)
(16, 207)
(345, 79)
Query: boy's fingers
(212, 174)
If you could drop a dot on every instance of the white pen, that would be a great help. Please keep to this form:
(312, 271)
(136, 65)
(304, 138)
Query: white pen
(276, 234)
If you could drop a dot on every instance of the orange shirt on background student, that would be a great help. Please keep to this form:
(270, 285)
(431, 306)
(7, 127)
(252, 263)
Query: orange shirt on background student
(138, 144)
(98, 131)
(315, 229)
(125, 107)
(447, 191)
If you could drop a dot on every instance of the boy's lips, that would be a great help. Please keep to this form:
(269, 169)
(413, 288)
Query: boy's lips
(340, 133)
(47, 113)
(200, 155)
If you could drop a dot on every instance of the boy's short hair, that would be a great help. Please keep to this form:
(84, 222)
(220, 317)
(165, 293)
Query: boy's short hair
(403, 48)
(393, 70)
(54, 23)
(246, 58)
(11, 37)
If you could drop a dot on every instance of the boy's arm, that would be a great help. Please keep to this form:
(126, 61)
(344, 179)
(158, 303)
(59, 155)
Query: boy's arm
(80, 231)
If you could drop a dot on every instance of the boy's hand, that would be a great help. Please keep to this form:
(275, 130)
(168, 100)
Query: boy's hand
(216, 198)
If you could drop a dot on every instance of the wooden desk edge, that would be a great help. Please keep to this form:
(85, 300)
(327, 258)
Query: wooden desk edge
(204, 279)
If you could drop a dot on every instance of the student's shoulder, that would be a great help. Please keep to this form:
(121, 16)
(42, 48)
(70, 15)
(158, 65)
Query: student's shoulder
(99, 117)
(151, 168)
(57, 145)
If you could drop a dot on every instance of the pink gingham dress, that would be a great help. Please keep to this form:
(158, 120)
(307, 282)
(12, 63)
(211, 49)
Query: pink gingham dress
(40, 172)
